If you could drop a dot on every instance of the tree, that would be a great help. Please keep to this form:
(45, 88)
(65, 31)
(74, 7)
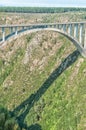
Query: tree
(6, 121)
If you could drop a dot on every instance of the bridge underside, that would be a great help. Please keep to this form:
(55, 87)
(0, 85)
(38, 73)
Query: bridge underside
(76, 32)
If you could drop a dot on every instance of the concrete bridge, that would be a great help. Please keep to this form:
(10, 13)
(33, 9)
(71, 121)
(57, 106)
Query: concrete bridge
(75, 31)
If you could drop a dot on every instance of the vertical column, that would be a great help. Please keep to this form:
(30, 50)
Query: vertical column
(3, 34)
(11, 30)
(16, 32)
(58, 26)
(51, 26)
(64, 27)
(54, 26)
(76, 31)
(22, 27)
(85, 37)
(46, 26)
(81, 33)
(61, 26)
(70, 29)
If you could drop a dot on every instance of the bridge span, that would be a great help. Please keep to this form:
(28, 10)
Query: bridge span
(75, 31)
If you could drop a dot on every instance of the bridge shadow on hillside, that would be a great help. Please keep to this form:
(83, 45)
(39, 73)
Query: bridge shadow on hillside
(29, 102)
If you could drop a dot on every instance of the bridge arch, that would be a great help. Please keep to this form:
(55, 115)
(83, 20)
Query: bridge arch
(61, 29)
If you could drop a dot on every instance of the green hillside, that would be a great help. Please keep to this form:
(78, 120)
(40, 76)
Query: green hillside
(43, 82)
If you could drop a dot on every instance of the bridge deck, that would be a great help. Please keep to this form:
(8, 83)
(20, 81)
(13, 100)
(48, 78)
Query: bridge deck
(41, 24)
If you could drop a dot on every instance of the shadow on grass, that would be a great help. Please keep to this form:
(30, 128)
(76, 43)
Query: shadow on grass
(32, 127)
(29, 102)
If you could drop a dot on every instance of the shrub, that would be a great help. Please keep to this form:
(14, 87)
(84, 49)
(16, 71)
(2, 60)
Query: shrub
(6, 121)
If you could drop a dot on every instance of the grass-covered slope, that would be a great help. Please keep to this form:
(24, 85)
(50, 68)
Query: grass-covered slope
(43, 82)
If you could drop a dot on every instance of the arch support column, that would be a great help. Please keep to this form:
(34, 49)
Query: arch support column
(81, 33)
(85, 38)
(70, 29)
(11, 30)
(3, 34)
(64, 27)
(76, 31)
(16, 31)
(54, 26)
(58, 26)
(22, 27)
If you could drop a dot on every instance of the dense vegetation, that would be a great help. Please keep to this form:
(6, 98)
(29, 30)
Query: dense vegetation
(6, 121)
(39, 9)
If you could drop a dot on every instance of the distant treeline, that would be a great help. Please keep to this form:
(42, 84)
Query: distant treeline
(39, 9)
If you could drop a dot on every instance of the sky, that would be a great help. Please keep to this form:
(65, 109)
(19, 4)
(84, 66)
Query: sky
(44, 3)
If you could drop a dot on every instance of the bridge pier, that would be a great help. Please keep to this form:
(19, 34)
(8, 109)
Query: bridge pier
(11, 30)
(80, 33)
(61, 27)
(54, 26)
(3, 34)
(85, 39)
(23, 28)
(46, 26)
(70, 29)
(76, 31)
(58, 26)
(16, 31)
(64, 27)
